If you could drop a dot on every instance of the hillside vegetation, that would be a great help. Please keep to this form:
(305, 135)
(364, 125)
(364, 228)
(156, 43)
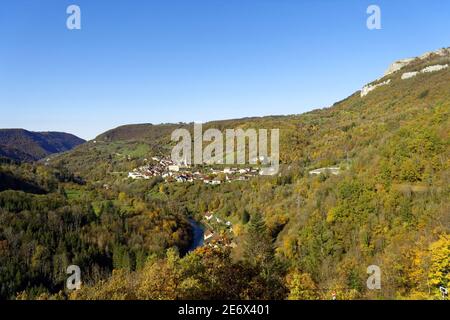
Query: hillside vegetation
(297, 235)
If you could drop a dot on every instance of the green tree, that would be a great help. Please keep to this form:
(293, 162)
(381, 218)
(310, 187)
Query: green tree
(258, 247)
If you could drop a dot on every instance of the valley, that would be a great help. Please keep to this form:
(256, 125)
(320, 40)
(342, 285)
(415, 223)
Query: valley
(363, 182)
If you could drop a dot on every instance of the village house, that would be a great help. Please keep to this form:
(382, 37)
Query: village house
(270, 171)
(137, 175)
(208, 235)
(174, 168)
(213, 240)
(208, 215)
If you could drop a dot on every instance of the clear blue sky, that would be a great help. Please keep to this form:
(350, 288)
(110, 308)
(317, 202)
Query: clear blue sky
(170, 61)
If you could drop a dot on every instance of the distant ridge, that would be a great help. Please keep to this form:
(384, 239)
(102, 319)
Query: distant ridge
(23, 145)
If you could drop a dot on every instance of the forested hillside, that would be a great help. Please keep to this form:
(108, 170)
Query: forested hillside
(50, 219)
(297, 235)
(23, 145)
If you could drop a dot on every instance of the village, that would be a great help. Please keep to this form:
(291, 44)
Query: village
(218, 232)
(182, 172)
(173, 172)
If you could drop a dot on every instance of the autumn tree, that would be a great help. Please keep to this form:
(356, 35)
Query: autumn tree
(301, 286)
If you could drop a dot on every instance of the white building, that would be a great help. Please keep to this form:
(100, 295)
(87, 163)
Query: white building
(332, 170)
(208, 234)
(137, 175)
(270, 171)
(208, 215)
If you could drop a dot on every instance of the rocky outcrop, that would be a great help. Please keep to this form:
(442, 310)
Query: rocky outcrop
(435, 68)
(400, 64)
(409, 75)
(370, 87)
(441, 52)
(397, 65)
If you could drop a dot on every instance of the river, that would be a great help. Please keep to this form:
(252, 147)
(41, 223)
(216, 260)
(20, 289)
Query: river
(198, 232)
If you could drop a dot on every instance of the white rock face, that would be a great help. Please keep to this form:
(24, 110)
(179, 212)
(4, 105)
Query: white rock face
(397, 65)
(443, 52)
(426, 55)
(365, 91)
(434, 68)
(409, 75)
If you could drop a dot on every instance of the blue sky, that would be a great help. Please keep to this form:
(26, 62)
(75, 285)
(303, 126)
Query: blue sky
(160, 61)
